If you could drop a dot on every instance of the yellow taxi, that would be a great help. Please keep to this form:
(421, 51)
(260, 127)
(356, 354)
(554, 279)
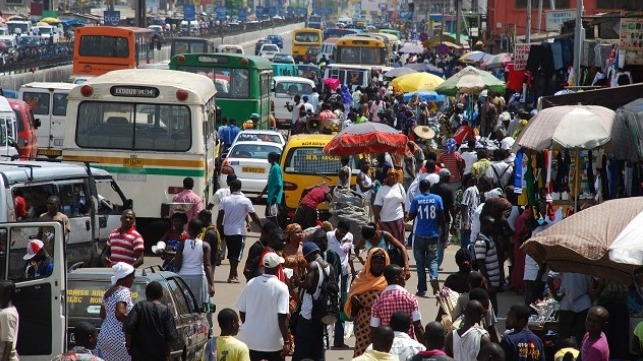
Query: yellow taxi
(303, 164)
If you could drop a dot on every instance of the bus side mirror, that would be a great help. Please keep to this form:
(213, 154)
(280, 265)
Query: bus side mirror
(128, 204)
(37, 123)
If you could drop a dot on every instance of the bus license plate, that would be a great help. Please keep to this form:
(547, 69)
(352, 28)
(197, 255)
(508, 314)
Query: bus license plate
(252, 170)
(133, 162)
(50, 152)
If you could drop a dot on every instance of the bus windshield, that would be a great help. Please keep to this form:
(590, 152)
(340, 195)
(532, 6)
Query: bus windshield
(104, 45)
(360, 55)
(24, 27)
(230, 83)
(187, 46)
(133, 126)
(307, 37)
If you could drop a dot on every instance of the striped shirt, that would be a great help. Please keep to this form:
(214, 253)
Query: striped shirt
(124, 245)
(452, 162)
(486, 250)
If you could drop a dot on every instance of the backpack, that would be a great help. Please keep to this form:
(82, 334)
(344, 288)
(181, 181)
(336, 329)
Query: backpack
(326, 307)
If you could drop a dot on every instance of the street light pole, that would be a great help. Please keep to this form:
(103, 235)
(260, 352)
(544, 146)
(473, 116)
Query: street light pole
(528, 32)
(578, 41)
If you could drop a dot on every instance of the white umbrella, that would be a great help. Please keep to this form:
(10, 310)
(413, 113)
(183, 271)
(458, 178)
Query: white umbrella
(412, 48)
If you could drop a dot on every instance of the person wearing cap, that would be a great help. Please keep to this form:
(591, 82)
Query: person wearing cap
(428, 212)
(116, 305)
(263, 307)
(53, 215)
(40, 263)
(309, 332)
(125, 244)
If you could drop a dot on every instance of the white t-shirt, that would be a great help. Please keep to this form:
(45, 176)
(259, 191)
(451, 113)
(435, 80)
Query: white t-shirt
(469, 158)
(295, 112)
(9, 330)
(367, 182)
(391, 199)
(261, 300)
(310, 107)
(216, 199)
(342, 247)
(235, 207)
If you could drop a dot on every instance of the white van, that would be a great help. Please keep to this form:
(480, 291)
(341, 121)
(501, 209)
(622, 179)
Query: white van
(230, 49)
(48, 31)
(21, 27)
(284, 90)
(195, 28)
(48, 102)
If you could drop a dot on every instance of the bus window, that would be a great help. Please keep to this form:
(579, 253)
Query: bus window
(307, 37)
(73, 199)
(59, 104)
(39, 102)
(133, 126)
(104, 46)
(288, 88)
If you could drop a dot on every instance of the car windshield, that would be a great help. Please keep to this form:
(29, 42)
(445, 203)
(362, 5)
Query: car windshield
(283, 58)
(249, 137)
(84, 297)
(269, 47)
(254, 151)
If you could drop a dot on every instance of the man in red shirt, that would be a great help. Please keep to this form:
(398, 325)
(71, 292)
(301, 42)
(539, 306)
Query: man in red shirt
(125, 244)
(311, 198)
(20, 205)
(396, 298)
(463, 132)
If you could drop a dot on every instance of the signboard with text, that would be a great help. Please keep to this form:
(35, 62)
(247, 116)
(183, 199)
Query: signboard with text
(554, 19)
(631, 35)
(520, 56)
(259, 10)
(243, 15)
(111, 18)
(221, 15)
(272, 11)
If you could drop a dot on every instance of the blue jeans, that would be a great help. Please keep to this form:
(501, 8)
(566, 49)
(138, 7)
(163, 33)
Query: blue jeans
(338, 338)
(440, 251)
(425, 253)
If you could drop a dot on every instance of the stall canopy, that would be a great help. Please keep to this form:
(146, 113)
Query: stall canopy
(611, 98)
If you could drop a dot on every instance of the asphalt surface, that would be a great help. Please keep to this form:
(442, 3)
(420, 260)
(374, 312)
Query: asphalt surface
(227, 293)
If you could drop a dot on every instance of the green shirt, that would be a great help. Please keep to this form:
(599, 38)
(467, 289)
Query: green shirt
(275, 179)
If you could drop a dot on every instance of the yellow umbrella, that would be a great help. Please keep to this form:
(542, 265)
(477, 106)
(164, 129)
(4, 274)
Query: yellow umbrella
(474, 57)
(42, 23)
(50, 21)
(417, 81)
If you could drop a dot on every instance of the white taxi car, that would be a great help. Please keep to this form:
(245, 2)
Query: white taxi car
(268, 51)
(248, 160)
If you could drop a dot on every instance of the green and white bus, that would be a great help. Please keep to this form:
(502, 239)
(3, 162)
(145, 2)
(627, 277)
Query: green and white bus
(242, 82)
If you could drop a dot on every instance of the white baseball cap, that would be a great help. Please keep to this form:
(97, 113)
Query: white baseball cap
(34, 246)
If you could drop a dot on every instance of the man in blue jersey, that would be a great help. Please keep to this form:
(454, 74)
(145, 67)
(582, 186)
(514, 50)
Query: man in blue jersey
(428, 211)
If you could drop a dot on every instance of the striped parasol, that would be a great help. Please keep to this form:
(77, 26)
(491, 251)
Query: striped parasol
(370, 138)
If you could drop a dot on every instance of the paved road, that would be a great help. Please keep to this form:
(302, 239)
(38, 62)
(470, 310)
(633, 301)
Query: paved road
(249, 48)
(226, 294)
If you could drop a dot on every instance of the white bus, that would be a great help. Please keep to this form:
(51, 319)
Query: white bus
(150, 129)
(48, 103)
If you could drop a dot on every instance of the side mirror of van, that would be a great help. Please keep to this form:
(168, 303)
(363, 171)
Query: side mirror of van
(128, 204)
(37, 123)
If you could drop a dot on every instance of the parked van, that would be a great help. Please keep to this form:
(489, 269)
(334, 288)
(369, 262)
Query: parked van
(48, 102)
(48, 31)
(88, 196)
(304, 163)
(27, 127)
(231, 49)
(283, 91)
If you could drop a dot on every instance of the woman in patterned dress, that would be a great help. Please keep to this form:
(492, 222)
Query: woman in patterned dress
(117, 303)
(296, 262)
(368, 284)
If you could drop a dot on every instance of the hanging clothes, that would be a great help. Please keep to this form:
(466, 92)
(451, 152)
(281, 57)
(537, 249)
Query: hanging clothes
(557, 55)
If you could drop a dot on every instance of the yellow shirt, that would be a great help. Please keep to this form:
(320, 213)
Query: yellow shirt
(479, 168)
(561, 353)
(372, 355)
(231, 349)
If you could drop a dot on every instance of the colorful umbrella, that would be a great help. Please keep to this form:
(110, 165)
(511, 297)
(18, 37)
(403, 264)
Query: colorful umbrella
(417, 81)
(332, 83)
(50, 21)
(471, 80)
(370, 138)
(394, 73)
(474, 57)
(497, 61)
(575, 244)
(425, 96)
(411, 48)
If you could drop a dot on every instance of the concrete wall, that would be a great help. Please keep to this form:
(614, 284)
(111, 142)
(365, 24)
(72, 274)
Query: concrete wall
(62, 73)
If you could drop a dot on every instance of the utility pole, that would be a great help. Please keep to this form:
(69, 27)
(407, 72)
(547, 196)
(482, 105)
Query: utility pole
(458, 15)
(578, 41)
(540, 15)
(528, 32)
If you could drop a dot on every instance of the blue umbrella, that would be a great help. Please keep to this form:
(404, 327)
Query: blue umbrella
(425, 96)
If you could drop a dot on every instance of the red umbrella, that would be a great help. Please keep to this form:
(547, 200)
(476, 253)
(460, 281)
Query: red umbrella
(367, 138)
(332, 83)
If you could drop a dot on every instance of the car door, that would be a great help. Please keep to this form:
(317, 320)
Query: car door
(76, 204)
(192, 325)
(110, 204)
(40, 301)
